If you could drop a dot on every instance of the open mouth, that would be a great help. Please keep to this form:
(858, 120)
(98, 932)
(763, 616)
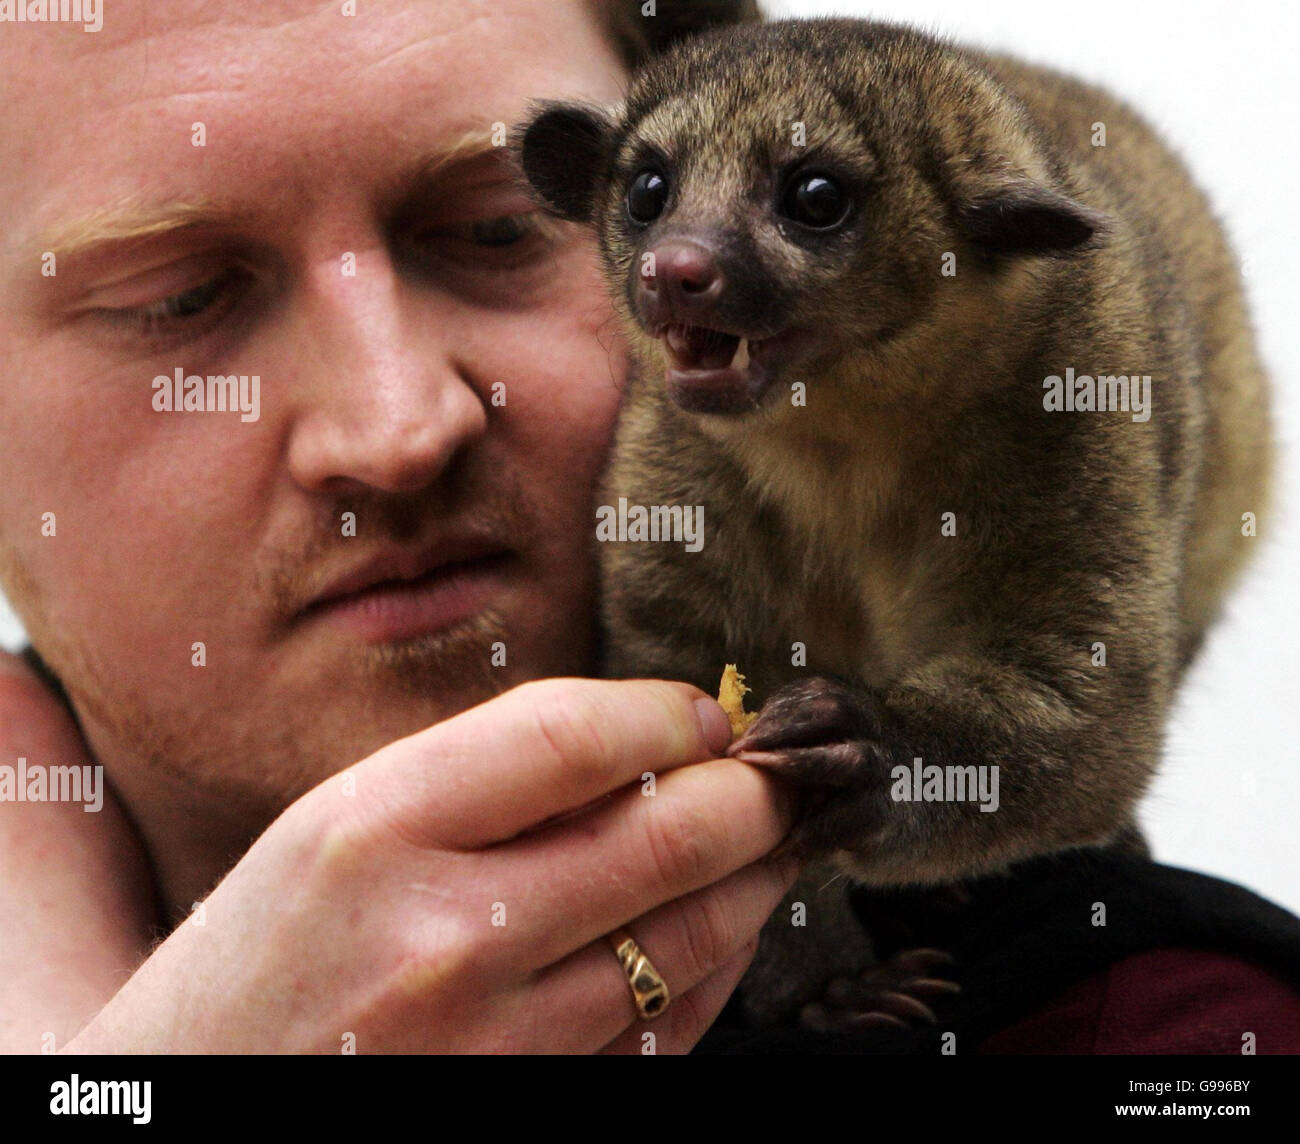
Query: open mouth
(712, 371)
(693, 348)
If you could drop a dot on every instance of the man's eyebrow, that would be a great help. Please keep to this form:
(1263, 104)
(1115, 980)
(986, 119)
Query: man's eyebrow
(128, 220)
(132, 219)
(417, 177)
(470, 146)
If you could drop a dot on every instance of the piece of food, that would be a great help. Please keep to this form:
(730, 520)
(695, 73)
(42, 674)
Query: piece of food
(731, 697)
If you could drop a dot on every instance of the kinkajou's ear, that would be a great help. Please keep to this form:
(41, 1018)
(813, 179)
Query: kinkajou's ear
(1022, 217)
(563, 151)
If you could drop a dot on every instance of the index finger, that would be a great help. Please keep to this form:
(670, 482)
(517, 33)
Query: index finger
(541, 750)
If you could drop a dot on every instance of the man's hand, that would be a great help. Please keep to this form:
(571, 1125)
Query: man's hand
(76, 901)
(452, 892)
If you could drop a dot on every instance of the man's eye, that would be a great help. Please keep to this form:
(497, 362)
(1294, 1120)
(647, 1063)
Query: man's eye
(504, 231)
(190, 311)
(516, 237)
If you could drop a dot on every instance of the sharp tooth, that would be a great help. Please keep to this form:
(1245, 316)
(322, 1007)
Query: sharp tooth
(741, 360)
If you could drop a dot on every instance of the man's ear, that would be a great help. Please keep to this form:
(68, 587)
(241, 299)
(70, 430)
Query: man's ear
(563, 150)
(1025, 217)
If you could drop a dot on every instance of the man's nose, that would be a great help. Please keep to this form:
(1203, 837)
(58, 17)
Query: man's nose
(685, 283)
(382, 400)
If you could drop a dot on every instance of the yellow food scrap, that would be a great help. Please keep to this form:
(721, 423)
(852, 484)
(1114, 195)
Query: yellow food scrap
(731, 697)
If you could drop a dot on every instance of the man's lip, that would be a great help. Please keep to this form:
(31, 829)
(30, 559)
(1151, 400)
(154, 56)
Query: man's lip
(393, 568)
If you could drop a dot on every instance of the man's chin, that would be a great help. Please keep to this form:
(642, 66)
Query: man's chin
(466, 658)
(362, 696)
(271, 740)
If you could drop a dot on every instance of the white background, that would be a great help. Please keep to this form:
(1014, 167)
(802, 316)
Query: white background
(1220, 81)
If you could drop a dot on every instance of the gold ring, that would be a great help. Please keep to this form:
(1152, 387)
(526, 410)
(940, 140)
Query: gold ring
(648, 988)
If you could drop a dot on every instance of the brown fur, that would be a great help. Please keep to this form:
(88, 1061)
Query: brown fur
(924, 397)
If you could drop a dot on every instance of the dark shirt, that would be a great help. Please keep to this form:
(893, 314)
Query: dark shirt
(1184, 963)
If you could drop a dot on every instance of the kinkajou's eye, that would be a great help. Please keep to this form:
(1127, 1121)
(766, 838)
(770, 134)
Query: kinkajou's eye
(646, 196)
(815, 201)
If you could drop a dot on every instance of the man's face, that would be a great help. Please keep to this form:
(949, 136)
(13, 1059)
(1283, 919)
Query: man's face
(429, 361)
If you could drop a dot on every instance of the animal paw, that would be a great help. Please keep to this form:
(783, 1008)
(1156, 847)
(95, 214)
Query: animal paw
(825, 736)
(819, 730)
(896, 994)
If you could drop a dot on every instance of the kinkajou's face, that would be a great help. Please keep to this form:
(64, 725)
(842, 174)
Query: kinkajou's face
(761, 205)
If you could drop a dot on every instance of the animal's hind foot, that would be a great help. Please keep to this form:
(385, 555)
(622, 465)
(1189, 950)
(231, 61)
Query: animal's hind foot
(896, 994)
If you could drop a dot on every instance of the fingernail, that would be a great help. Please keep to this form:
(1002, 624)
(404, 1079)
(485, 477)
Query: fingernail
(714, 725)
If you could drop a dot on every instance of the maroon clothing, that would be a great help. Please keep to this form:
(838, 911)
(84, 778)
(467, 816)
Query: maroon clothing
(1163, 1001)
